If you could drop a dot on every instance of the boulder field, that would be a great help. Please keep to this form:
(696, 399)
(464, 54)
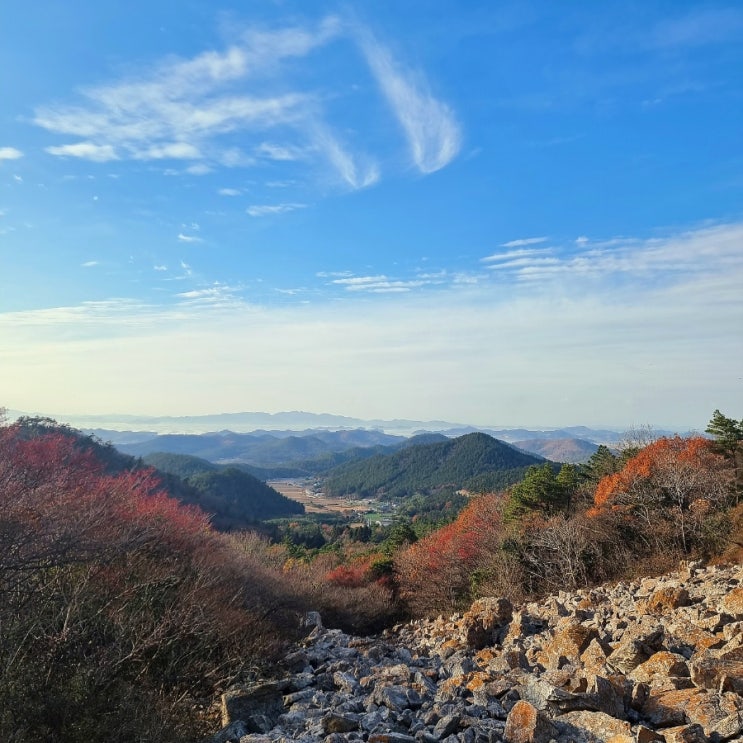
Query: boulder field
(658, 659)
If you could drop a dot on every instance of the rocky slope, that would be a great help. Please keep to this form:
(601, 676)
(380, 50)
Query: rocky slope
(659, 659)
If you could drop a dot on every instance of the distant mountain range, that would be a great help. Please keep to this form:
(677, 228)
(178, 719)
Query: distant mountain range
(136, 426)
(573, 451)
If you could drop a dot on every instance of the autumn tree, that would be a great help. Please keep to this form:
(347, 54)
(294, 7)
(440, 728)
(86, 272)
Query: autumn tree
(435, 573)
(673, 482)
(117, 603)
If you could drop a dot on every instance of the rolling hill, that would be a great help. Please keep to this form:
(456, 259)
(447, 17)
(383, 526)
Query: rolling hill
(262, 448)
(476, 462)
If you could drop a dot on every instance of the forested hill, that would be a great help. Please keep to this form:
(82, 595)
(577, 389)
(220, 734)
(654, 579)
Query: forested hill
(233, 497)
(233, 501)
(475, 462)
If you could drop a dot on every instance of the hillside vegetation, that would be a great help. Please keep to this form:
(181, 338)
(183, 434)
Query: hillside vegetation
(475, 462)
(232, 497)
(124, 613)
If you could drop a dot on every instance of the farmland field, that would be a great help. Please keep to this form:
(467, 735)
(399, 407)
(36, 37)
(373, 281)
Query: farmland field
(317, 502)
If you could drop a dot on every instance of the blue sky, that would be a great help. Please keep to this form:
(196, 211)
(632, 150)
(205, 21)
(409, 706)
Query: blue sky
(496, 213)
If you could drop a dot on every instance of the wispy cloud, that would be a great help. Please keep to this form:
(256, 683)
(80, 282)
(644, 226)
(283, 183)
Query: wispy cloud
(10, 153)
(189, 238)
(266, 210)
(191, 109)
(217, 295)
(380, 284)
(356, 171)
(89, 264)
(169, 151)
(665, 260)
(99, 153)
(521, 242)
(433, 133)
(229, 192)
(506, 256)
(333, 274)
(279, 152)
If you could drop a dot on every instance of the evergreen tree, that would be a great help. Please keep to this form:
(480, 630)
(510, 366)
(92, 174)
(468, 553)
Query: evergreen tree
(727, 432)
(728, 435)
(538, 491)
(601, 464)
(567, 485)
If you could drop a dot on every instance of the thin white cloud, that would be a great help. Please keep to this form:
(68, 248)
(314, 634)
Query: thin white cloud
(10, 153)
(189, 238)
(180, 107)
(266, 210)
(521, 242)
(279, 152)
(198, 169)
(170, 151)
(98, 153)
(433, 133)
(89, 264)
(217, 295)
(229, 192)
(619, 260)
(160, 268)
(379, 284)
(358, 172)
(333, 274)
(510, 255)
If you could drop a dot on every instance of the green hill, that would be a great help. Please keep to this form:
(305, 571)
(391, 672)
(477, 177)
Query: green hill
(234, 498)
(181, 465)
(237, 498)
(476, 462)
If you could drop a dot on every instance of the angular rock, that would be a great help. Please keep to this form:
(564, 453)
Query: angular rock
(659, 666)
(527, 724)
(246, 701)
(567, 644)
(665, 600)
(733, 603)
(485, 621)
(597, 726)
(685, 734)
(718, 670)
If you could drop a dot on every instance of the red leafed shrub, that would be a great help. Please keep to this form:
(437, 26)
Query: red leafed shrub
(435, 573)
(116, 602)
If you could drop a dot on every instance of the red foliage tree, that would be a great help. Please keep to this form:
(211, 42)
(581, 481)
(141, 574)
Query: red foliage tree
(112, 594)
(435, 573)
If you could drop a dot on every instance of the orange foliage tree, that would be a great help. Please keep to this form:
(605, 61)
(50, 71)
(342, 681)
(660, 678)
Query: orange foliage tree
(435, 573)
(674, 480)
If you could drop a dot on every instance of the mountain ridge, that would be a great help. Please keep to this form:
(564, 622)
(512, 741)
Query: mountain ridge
(243, 422)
